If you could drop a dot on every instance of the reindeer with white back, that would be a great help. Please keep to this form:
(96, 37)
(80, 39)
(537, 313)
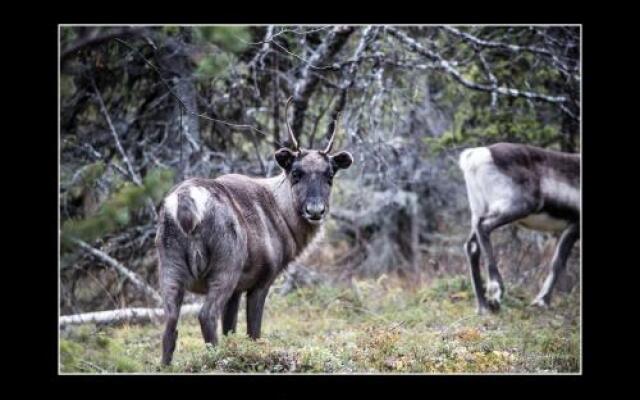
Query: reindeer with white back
(530, 186)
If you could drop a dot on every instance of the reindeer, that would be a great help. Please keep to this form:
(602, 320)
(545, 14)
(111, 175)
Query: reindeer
(235, 234)
(530, 186)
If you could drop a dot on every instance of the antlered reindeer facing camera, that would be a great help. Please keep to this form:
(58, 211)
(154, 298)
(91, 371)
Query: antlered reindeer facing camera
(534, 187)
(234, 234)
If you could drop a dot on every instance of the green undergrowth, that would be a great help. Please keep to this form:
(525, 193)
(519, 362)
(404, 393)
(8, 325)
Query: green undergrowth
(374, 326)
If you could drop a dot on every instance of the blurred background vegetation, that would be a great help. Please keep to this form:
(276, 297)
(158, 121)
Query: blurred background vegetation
(144, 107)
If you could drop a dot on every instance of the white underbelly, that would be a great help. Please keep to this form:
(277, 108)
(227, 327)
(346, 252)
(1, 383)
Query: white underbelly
(543, 222)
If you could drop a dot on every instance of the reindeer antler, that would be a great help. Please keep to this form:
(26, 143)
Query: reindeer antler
(333, 134)
(286, 118)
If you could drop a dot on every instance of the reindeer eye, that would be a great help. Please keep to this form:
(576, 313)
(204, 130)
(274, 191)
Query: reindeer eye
(329, 176)
(296, 175)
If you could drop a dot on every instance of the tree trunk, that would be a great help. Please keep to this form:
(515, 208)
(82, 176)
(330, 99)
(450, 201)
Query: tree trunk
(308, 82)
(174, 60)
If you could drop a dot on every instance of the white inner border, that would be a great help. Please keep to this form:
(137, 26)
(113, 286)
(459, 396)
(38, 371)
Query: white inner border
(311, 374)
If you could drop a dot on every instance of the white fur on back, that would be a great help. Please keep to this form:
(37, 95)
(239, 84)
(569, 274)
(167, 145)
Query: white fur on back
(489, 190)
(171, 205)
(200, 196)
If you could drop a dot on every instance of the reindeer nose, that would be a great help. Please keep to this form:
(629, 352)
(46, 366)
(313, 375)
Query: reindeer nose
(315, 209)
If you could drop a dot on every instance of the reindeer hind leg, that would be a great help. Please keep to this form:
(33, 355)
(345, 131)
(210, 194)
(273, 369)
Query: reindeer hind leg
(558, 264)
(173, 296)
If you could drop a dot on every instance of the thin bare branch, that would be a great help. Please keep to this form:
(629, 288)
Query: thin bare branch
(494, 44)
(182, 103)
(308, 81)
(368, 34)
(448, 67)
(124, 271)
(134, 176)
(96, 38)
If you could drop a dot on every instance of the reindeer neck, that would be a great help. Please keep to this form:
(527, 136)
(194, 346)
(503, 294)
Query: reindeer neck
(302, 232)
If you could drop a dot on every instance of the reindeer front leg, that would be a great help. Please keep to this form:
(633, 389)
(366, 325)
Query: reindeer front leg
(484, 227)
(472, 250)
(495, 286)
(255, 305)
(558, 264)
(230, 315)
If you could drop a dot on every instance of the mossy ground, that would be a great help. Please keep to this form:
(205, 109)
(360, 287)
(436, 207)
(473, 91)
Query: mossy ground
(375, 326)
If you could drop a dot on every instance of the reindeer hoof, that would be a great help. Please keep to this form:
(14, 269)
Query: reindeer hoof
(489, 306)
(540, 303)
(494, 296)
(493, 305)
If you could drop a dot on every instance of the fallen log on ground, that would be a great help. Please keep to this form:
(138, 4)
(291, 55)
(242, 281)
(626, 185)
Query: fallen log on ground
(130, 315)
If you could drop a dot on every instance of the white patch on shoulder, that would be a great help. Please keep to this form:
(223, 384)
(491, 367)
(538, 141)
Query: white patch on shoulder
(171, 205)
(200, 196)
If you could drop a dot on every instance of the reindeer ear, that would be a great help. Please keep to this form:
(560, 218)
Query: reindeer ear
(342, 160)
(284, 158)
